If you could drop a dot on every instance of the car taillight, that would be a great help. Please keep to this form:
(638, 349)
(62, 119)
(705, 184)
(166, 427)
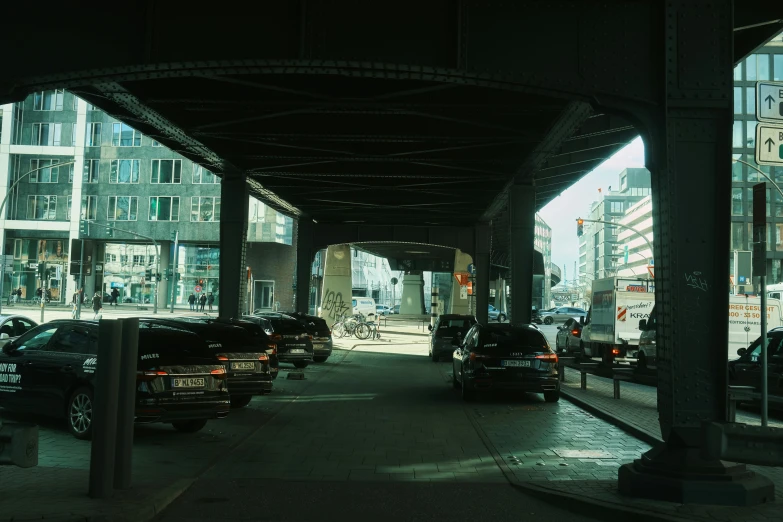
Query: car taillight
(263, 357)
(221, 357)
(551, 357)
(615, 351)
(311, 337)
(574, 332)
(276, 337)
(474, 356)
(149, 375)
(218, 373)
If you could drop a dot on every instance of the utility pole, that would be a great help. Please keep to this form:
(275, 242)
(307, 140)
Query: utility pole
(174, 270)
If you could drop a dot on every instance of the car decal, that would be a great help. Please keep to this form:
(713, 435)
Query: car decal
(8, 375)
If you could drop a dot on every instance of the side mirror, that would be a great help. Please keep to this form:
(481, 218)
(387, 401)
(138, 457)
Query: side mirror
(429, 327)
(742, 351)
(4, 336)
(9, 348)
(642, 324)
(582, 320)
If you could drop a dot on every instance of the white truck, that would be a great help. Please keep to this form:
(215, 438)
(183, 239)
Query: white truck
(611, 329)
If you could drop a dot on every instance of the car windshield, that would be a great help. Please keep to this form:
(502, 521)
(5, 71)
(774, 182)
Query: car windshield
(504, 341)
(287, 326)
(455, 324)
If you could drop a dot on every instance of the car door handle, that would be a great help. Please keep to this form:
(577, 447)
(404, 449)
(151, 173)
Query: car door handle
(67, 368)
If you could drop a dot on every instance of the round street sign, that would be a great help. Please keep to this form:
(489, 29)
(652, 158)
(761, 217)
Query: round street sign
(394, 280)
(197, 289)
(472, 269)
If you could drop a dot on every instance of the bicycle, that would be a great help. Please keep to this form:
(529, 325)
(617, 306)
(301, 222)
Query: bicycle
(347, 326)
(367, 329)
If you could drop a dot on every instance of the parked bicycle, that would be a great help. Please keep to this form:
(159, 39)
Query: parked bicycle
(347, 325)
(367, 330)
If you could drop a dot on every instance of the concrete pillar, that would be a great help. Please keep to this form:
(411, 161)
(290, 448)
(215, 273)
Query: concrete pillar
(459, 304)
(521, 204)
(412, 294)
(434, 308)
(504, 296)
(336, 294)
(233, 241)
(304, 263)
(483, 240)
(164, 287)
(688, 152)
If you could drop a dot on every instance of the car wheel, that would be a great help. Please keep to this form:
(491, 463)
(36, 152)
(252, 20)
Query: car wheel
(79, 413)
(548, 320)
(501, 318)
(642, 364)
(240, 401)
(190, 426)
(468, 393)
(552, 396)
(320, 358)
(301, 364)
(435, 356)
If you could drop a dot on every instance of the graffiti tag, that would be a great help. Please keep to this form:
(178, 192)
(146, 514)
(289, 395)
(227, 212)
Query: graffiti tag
(334, 306)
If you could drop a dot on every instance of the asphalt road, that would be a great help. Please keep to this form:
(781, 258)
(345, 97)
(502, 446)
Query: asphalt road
(380, 437)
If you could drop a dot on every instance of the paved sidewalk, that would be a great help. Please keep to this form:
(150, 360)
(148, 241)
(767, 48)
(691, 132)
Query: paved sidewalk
(165, 462)
(637, 412)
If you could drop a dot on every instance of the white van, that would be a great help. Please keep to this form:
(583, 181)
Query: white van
(364, 306)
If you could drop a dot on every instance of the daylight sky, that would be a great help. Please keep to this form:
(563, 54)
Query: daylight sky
(561, 212)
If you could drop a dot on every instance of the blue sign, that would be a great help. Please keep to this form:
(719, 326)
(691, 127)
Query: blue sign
(651, 262)
(741, 279)
(472, 269)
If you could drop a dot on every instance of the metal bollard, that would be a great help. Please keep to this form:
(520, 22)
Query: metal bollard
(104, 421)
(562, 373)
(584, 381)
(126, 403)
(616, 383)
(18, 445)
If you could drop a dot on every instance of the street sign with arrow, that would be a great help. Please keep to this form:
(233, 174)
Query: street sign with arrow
(769, 102)
(769, 144)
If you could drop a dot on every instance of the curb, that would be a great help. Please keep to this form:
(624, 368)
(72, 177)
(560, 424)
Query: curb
(573, 503)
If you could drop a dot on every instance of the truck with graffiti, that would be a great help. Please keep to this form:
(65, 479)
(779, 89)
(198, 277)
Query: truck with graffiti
(611, 328)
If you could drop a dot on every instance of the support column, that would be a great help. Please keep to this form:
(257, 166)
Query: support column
(233, 242)
(336, 294)
(483, 239)
(164, 288)
(458, 304)
(304, 263)
(522, 212)
(688, 151)
(412, 294)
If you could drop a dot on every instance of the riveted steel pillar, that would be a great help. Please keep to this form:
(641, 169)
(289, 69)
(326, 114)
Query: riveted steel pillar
(304, 263)
(688, 148)
(522, 217)
(233, 241)
(483, 239)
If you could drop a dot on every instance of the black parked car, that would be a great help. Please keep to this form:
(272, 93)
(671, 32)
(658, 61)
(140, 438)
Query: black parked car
(506, 357)
(243, 355)
(322, 335)
(50, 371)
(447, 327)
(294, 343)
(746, 371)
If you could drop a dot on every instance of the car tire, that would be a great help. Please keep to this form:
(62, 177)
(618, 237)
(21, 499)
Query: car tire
(190, 426)
(552, 396)
(548, 320)
(501, 318)
(642, 363)
(79, 413)
(320, 359)
(435, 356)
(301, 364)
(240, 401)
(468, 393)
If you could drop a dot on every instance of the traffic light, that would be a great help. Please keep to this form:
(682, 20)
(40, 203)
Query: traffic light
(580, 227)
(109, 232)
(84, 228)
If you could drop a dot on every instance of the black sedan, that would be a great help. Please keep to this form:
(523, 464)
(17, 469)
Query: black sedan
(569, 337)
(243, 355)
(51, 371)
(294, 343)
(322, 335)
(746, 371)
(501, 356)
(446, 328)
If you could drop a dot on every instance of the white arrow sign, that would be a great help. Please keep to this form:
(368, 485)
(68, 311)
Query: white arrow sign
(769, 102)
(769, 145)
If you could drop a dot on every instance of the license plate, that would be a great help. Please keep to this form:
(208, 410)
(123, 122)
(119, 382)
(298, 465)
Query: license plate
(318, 346)
(515, 363)
(296, 350)
(188, 382)
(243, 366)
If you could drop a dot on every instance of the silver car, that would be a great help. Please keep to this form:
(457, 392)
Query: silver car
(562, 314)
(13, 326)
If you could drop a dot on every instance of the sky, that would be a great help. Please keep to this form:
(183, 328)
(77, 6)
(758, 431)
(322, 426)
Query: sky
(561, 213)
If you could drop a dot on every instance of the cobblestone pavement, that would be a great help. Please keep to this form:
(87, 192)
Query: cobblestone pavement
(164, 461)
(638, 409)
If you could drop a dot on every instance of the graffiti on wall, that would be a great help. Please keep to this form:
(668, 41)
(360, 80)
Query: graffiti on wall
(333, 305)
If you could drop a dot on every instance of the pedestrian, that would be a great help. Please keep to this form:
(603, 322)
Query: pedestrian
(202, 301)
(97, 305)
(39, 293)
(18, 294)
(210, 300)
(75, 303)
(192, 302)
(115, 297)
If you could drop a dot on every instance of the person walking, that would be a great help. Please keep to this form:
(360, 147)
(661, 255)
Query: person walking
(202, 301)
(18, 294)
(97, 305)
(210, 300)
(192, 302)
(115, 297)
(75, 303)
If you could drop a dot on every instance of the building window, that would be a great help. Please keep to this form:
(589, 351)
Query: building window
(42, 172)
(762, 66)
(41, 207)
(75, 102)
(777, 70)
(736, 169)
(202, 176)
(110, 258)
(48, 100)
(738, 236)
(89, 208)
(47, 134)
(124, 171)
(156, 143)
(750, 68)
(164, 208)
(739, 135)
(750, 101)
(125, 136)
(736, 202)
(122, 208)
(205, 209)
(737, 100)
(751, 141)
(73, 134)
(616, 207)
(68, 208)
(91, 167)
(738, 72)
(166, 171)
(93, 137)
(138, 259)
(124, 259)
